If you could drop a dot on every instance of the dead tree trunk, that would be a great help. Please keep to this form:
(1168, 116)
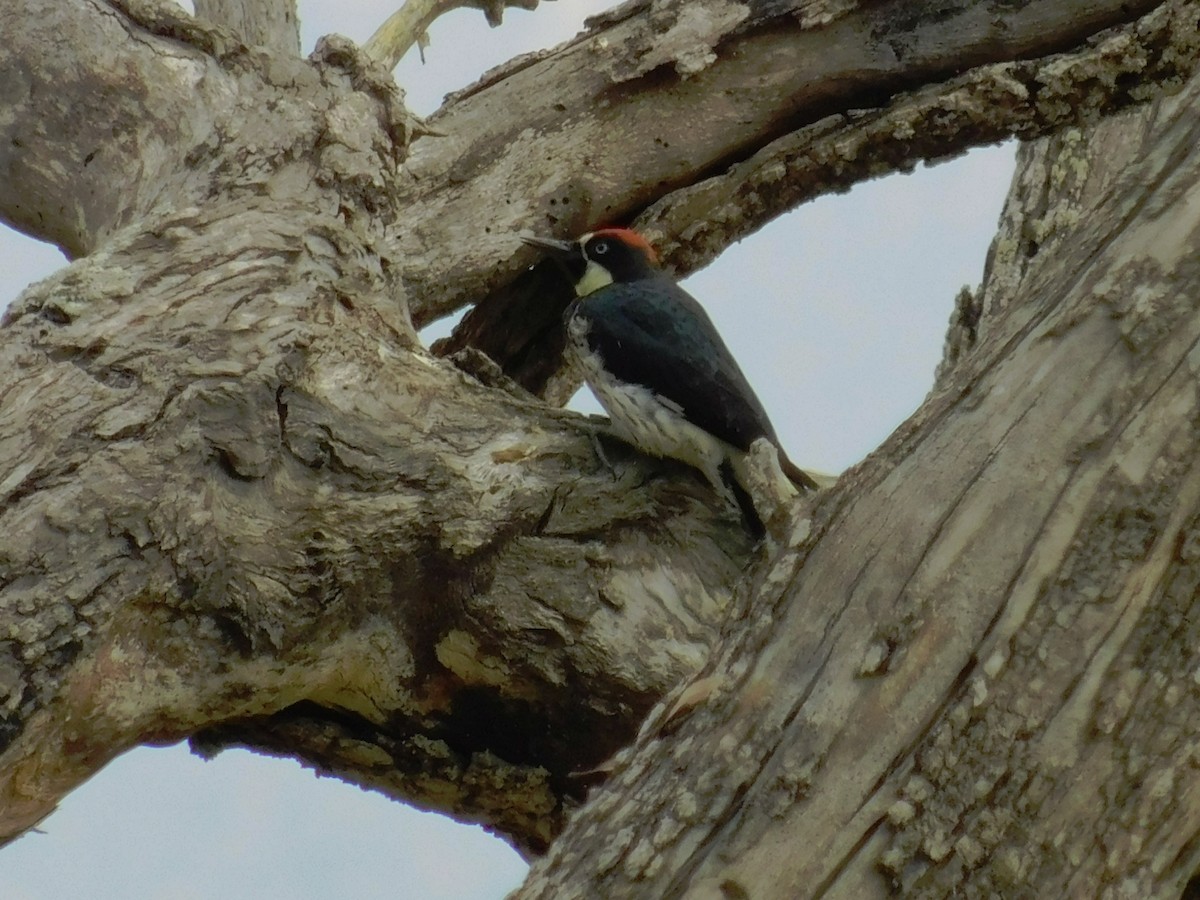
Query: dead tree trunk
(247, 506)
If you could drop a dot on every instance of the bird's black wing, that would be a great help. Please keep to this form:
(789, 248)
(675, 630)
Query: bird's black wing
(653, 333)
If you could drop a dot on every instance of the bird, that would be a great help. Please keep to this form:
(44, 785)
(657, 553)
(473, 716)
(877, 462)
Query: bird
(658, 366)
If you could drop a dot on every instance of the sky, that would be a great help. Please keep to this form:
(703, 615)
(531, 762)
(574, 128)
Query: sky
(836, 312)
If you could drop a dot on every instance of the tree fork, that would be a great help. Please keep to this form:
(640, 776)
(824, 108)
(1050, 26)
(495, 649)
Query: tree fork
(252, 507)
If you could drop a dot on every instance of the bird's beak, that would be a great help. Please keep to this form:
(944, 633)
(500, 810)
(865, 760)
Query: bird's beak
(567, 255)
(558, 249)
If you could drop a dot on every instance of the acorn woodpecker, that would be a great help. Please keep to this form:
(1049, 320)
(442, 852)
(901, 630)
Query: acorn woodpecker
(659, 368)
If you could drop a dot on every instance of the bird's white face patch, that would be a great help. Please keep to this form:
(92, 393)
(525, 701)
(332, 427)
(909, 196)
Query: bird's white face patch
(594, 277)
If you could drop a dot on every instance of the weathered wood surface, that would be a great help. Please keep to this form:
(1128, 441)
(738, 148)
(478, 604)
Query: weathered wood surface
(245, 505)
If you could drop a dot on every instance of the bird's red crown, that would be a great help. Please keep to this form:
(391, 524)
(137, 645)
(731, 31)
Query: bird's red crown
(630, 238)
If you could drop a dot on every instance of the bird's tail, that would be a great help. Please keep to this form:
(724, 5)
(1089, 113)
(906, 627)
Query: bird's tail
(796, 475)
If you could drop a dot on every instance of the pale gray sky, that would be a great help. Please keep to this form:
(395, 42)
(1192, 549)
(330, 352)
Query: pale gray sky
(836, 312)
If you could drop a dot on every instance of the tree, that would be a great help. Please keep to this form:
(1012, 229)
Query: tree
(254, 510)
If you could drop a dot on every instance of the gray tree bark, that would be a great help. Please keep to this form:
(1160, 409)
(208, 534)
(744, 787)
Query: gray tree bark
(248, 507)
(976, 673)
(262, 23)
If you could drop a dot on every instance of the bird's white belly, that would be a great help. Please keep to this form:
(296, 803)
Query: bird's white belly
(653, 424)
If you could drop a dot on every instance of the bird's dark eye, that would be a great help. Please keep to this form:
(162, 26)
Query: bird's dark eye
(600, 248)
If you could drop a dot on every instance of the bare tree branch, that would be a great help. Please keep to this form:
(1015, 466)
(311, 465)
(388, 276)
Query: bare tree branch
(763, 160)
(86, 153)
(82, 152)
(407, 25)
(1117, 68)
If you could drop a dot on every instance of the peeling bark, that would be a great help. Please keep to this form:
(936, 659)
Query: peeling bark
(253, 509)
(257, 494)
(254, 495)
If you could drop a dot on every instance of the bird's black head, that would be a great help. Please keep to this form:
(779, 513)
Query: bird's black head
(599, 258)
